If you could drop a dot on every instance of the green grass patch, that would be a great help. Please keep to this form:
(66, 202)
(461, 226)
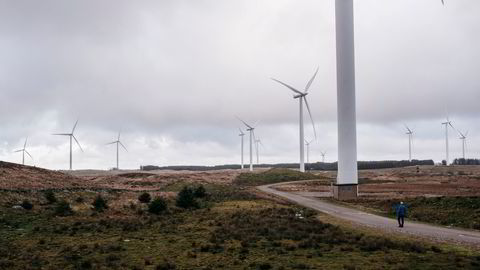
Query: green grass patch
(272, 176)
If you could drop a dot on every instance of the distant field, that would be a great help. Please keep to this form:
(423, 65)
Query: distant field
(272, 176)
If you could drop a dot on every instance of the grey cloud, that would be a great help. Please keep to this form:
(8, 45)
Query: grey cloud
(182, 70)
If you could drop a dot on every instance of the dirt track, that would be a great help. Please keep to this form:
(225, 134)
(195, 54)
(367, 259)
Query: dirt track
(436, 233)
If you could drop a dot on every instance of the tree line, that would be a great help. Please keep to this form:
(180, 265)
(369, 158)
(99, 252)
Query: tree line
(321, 166)
(466, 161)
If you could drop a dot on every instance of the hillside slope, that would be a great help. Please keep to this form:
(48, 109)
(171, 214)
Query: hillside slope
(15, 176)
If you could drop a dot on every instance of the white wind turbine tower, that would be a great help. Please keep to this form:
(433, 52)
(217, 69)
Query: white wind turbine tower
(257, 143)
(241, 139)
(447, 124)
(250, 129)
(118, 142)
(71, 136)
(307, 143)
(347, 126)
(410, 139)
(323, 156)
(24, 150)
(463, 137)
(302, 96)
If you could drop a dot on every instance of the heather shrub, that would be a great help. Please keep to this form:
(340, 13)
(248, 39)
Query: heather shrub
(144, 198)
(157, 206)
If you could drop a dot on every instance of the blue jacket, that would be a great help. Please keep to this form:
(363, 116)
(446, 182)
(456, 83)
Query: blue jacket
(401, 210)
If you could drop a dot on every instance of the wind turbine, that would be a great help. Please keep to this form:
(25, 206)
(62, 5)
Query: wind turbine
(241, 139)
(71, 136)
(410, 138)
(447, 124)
(347, 126)
(250, 129)
(257, 142)
(24, 150)
(302, 96)
(307, 143)
(463, 137)
(118, 142)
(323, 156)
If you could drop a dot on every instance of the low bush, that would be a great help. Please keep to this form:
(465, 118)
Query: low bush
(144, 198)
(63, 208)
(157, 206)
(165, 265)
(186, 198)
(26, 205)
(50, 196)
(200, 192)
(100, 204)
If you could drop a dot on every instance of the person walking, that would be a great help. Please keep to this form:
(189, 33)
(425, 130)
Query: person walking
(401, 211)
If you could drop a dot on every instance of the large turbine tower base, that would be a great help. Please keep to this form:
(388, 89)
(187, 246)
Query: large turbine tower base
(347, 177)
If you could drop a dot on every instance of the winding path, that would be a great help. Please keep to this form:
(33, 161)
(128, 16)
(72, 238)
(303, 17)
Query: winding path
(387, 224)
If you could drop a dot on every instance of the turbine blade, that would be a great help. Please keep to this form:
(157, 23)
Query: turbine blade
(256, 124)
(311, 81)
(62, 134)
(244, 122)
(408, 129)
(25, 144)
(450, 123)
(118, 136)
(28, 154)
(75, 126)
(288, 86)
(20, 150)
(77, 143)
(122, 145)
(110, 143)
(311, 118)
(241, 132)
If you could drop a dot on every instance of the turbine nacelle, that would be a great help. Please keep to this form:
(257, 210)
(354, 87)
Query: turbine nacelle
(300, 95)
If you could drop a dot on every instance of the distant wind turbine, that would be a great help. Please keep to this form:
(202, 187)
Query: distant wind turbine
(250, 129)
(302, 96)
(24, 150)
(323, 156)
(447, 124)
(71, 136)
(307, 143)
(463, 137)
(118, 142)
(241, 139)
(410, 139)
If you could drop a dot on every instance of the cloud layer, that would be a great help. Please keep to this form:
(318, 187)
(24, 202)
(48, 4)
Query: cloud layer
(172, 75)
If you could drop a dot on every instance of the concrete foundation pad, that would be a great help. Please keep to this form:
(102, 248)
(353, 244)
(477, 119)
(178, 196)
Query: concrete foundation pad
(345, 192)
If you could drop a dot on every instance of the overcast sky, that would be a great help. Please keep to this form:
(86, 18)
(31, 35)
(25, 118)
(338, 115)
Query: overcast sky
(172, 75)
